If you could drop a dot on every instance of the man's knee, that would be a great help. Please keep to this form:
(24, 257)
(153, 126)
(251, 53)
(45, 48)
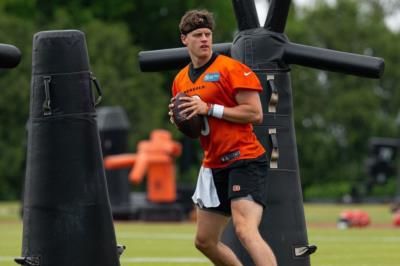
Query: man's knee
(243, 231)
(204, 244)
(246, 216)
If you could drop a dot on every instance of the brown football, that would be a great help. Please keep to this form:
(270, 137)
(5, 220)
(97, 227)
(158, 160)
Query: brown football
(190, 127)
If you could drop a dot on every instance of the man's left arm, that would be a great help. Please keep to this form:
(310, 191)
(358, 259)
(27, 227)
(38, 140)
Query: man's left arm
(248, 109)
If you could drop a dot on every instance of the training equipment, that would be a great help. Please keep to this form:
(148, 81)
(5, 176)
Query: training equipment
(66, 210)
(353, 218)
(10, 56)
(190, 127)
(155, 159)
(396, 219)
(345, 219)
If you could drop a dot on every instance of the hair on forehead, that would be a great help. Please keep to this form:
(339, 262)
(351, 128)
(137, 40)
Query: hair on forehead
(195, 19)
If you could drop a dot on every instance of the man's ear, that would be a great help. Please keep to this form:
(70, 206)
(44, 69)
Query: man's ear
(183, 39)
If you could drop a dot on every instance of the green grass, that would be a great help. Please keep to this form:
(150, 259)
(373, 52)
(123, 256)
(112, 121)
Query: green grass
(167, 243)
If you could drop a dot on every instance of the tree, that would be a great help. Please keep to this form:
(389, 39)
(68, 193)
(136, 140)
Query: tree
(335, 114)
(14, 106)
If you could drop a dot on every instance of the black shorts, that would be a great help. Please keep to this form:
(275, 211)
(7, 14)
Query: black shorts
(241, 179)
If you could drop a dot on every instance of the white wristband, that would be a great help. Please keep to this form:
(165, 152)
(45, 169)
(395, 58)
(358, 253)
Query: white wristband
(218, 111)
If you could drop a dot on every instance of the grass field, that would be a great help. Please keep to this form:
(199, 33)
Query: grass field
(162, 244)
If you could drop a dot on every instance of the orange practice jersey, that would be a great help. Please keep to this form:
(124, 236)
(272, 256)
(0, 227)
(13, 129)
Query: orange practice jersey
(226, 141)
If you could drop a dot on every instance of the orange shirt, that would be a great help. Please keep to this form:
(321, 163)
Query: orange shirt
(218, 84)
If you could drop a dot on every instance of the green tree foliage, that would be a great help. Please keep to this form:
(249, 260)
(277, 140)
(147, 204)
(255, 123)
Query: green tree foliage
(162, 19)
(153, 24)
(14, 105)
(336, 114)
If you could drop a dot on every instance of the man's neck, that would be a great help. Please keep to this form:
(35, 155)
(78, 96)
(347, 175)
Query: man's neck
(200, 61)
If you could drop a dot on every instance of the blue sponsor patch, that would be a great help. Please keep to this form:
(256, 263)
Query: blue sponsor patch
(212, 77)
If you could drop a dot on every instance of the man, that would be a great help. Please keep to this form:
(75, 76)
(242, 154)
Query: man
(233, 176)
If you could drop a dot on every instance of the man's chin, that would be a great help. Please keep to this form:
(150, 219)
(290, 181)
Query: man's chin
(204, 54)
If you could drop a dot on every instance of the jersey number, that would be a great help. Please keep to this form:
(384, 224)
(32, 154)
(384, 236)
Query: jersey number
(205, 131)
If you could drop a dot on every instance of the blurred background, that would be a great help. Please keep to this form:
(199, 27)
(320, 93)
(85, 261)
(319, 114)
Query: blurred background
(346, 127)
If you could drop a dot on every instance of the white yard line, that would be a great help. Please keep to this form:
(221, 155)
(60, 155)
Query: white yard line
(2, 258)
(190, 236)
(166, 236)
(386, 239)
(165, 260)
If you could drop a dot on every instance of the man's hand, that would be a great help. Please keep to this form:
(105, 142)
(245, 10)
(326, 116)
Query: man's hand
(170, 107)
(193, 105)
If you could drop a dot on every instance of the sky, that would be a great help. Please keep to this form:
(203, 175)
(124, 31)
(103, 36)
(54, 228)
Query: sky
(393, 22)
(261, 6)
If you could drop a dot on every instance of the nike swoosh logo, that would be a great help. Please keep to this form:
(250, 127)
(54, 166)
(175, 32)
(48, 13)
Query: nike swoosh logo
(246, 73)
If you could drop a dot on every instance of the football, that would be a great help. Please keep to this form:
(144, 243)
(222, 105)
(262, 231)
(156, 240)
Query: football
(190, 127)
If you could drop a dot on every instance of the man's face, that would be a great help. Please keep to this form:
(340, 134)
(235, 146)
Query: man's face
(198, 42)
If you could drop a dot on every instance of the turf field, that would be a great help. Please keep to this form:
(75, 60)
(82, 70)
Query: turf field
(162, 244)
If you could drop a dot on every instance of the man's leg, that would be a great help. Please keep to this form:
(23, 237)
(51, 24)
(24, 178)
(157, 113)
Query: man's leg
(210, 226)
(246, 215)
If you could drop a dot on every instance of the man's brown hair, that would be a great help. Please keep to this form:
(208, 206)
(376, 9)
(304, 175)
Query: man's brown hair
(195, 19)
